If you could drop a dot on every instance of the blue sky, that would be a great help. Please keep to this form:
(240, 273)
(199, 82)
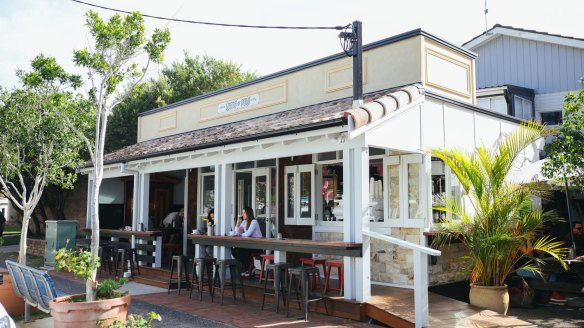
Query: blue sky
(56, 27)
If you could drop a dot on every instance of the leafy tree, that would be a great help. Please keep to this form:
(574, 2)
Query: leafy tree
(37, 147)
(112, 65)
(499, 228)
(566, 150)
(182, 80)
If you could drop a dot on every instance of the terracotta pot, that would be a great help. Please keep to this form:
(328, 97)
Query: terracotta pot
(13, 304)
(86, 314)
(494, 298)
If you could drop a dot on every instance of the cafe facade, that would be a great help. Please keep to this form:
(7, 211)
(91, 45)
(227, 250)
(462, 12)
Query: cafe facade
(292, 146)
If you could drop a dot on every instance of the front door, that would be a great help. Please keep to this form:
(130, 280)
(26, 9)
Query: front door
(261, 199)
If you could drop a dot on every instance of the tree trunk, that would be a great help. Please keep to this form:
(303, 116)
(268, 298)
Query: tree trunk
(90, 291)
(23, 235)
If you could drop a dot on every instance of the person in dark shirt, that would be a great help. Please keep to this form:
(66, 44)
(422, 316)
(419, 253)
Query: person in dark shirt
(2, 223)
(576, 237)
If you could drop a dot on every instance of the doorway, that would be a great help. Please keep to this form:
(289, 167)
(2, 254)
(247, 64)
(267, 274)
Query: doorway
(254, 188)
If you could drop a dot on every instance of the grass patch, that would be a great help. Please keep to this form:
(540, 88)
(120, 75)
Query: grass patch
(31, 260)
(10, 240)
(35, 315)
(11, 230)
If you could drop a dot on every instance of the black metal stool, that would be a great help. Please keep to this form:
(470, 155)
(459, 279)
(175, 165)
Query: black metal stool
(129, 254)
(181, 270)
(280, 272)
(303, 274)
(220, 273)
(205, 264)
(105, 258)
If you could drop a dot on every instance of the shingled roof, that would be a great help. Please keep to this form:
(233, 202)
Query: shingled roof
(306, 118)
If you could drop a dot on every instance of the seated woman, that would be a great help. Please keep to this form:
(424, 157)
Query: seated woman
(210, 222)
(246, 226)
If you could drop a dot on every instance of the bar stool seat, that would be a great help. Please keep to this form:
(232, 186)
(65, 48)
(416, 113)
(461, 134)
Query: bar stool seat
(181, 272)
(304, 261)
(280, 273)
(302, 275)
(221, 276)
(126, 254)
(205, 265)
(340, 265)
(265, 258)
(106, 258)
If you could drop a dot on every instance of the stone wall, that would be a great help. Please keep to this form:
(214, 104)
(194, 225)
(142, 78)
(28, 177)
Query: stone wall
(395, 265)
(35, 247)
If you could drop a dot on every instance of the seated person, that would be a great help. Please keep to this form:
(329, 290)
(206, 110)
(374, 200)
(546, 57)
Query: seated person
(575, 238)
(210, 221)
(246, 226)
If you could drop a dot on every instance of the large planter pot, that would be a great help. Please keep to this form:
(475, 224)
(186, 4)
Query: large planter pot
(86, 314)
(494, 298)
(13, 304)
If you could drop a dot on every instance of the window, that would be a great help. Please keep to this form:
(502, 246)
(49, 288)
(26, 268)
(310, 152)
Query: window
(523, 108)
(551, 118)
(497, 104)
(207, 193)
(405, 199)
(299, 195)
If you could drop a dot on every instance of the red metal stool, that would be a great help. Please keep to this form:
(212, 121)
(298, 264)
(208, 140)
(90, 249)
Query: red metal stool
(265, 258)
(329, 265)
(313, 262)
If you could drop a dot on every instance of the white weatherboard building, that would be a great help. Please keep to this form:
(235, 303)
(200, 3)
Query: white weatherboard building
(290, 145)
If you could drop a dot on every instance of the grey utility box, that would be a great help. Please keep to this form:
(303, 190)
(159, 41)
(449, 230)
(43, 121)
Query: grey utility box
(56, 237)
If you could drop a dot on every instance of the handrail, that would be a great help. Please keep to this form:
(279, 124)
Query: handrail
(420, 257)
(406, 244)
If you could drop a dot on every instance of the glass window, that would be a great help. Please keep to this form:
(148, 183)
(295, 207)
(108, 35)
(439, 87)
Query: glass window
(244, 165)
(414, 192)
(376, 151)
(208, 169)
(266, 163)
(499, 105)
(290, 191)
(305, 194)
(393, 190)
(208, 193)
(260, 195)
(328, 156)
(523, 108)
(551, 118)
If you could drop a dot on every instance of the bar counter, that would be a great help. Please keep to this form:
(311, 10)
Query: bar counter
(283, 245)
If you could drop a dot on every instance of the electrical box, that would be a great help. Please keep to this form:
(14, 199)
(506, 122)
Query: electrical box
(59, 234)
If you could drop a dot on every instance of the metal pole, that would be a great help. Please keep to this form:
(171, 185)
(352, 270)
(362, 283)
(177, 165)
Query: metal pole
(357, 65)
(569, 215)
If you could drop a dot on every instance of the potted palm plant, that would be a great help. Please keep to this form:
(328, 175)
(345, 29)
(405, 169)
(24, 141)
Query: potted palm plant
(495, 220)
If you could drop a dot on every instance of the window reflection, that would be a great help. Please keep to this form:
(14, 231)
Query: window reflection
(305, 194)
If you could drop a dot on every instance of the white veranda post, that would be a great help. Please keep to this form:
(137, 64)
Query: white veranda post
(356, 212)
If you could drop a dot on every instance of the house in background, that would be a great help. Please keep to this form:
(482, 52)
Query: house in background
(526, 73)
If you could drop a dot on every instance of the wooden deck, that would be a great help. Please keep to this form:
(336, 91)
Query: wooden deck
(395, 308)
(391, 306)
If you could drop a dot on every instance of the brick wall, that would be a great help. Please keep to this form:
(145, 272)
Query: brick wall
(35, 247)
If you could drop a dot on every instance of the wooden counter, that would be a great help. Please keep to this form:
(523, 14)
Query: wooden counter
(125, 233)
(283, 245)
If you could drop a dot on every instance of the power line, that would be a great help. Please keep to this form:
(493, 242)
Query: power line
(219, 24)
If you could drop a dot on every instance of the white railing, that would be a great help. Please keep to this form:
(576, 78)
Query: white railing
(420, 274)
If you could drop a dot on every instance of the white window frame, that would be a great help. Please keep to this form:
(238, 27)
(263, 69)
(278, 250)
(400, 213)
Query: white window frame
(297, 170)
(404, 220)
(202, 215)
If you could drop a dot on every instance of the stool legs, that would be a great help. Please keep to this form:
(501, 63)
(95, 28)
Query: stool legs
(194, 278)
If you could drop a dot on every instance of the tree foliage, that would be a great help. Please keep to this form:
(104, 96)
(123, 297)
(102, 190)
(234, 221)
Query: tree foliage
(112, 65)
(566, 150)
(181, 80)
(37, 147)
(499, 228)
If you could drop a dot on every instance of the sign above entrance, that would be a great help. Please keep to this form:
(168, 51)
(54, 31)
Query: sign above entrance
(238, 104)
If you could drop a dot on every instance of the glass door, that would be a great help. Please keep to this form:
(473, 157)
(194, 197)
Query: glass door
(261, 199)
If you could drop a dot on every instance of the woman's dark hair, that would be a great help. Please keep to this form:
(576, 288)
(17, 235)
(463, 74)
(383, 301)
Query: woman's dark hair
(249, 211)
(211, 211)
